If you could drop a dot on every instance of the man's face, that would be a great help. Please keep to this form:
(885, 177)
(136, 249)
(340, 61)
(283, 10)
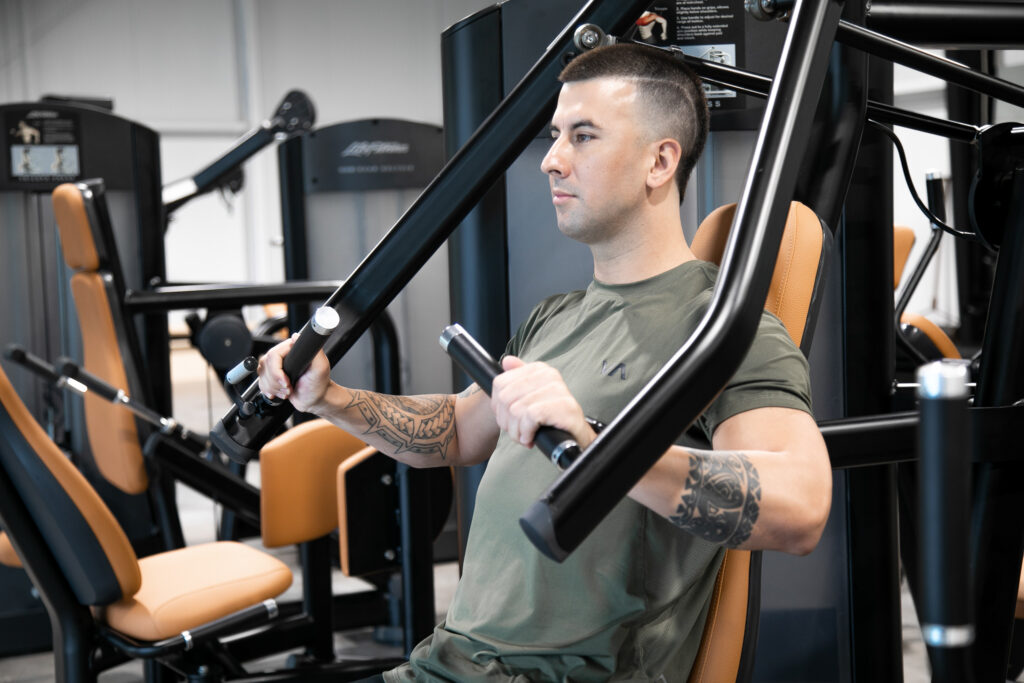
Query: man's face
(597, 165)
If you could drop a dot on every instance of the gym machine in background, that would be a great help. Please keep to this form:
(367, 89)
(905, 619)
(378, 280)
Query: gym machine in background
(58, 140)
(47, 143)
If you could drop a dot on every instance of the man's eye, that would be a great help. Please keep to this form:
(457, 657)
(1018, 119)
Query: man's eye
(584, 137)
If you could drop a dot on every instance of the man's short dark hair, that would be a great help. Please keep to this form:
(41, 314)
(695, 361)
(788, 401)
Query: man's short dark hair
(670, 92)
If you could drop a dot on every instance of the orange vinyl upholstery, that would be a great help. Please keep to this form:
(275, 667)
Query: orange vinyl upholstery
(97, 517)
(113, 435)
(298, 496)
(7, 555)
(795, 280)
(796, 270)
(934, 333)
(902, 242)
(155, 598)
(184, 588)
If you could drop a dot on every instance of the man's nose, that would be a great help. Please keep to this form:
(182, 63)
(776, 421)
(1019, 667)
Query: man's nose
(554, 161)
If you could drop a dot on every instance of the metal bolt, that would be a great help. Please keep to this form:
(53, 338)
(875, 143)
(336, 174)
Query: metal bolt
(390, 555)
(386, 480)
(588, 36)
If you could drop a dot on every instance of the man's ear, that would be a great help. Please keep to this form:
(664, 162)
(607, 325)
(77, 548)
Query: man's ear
(667, 155)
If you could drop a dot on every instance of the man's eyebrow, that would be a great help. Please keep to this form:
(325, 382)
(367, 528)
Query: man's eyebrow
(582, 123)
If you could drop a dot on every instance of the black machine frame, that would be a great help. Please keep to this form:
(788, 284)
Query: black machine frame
(602, 475)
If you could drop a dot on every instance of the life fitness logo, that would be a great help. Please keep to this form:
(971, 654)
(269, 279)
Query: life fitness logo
(365, 148)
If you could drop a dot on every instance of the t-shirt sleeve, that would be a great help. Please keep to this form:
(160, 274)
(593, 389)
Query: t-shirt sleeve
(774, 374)
(533, 322)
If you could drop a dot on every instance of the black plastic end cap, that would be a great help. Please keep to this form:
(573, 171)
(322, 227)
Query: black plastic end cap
(538, 527)
(14, 352)
(223, 442)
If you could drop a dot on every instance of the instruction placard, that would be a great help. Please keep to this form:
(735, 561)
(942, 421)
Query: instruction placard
(43, 145)
(707, 29)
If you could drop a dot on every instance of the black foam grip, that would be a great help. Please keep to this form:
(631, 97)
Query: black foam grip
(37, 365)
(303, 352)
(482, 367)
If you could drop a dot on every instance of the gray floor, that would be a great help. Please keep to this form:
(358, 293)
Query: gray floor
(198, 404)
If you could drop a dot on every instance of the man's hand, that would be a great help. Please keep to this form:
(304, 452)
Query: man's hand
(528, 396)
(309, 390)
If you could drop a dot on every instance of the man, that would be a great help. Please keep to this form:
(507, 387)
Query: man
(630, 602)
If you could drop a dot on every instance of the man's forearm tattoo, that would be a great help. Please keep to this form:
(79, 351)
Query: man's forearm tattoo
(722, 498)
(470, 390)
(412, 424)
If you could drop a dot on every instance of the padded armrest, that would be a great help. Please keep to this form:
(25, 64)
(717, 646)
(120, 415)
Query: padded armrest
(298, 500)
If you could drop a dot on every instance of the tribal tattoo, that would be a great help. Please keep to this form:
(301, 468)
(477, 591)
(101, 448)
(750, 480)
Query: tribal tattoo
(722, 499)
(412, 424)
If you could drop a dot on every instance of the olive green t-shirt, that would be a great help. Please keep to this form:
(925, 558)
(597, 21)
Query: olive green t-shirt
(630, 602)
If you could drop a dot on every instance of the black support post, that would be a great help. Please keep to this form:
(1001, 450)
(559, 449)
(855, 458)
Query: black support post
(997, 533)
(869, 361)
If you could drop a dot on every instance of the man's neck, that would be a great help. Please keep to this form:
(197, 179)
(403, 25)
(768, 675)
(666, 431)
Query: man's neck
(641, 253)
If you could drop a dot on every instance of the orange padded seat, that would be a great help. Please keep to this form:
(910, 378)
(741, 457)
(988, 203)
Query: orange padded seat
(934, 333)
(184, 588)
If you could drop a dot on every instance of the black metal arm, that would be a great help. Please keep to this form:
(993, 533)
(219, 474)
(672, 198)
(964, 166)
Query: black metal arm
(295, 114)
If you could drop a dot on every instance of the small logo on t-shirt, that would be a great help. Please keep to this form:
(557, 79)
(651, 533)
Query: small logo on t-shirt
(610, 372)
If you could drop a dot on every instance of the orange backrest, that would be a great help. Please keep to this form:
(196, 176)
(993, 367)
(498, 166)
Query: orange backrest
(796, 281)
(86, 540)
(112, 431)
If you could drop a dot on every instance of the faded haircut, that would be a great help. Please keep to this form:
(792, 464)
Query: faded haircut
(671, 95)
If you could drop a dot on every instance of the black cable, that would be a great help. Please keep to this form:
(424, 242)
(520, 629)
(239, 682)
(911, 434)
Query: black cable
(969, 236)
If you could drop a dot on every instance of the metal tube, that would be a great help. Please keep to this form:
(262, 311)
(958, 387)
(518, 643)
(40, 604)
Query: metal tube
(975, 24)
(571, 507)
(940, 67)
(759, 86)
(944, 494)
(937, 205)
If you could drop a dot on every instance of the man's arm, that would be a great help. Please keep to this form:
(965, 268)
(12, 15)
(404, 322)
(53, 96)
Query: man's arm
(423, 431)
(767, 485)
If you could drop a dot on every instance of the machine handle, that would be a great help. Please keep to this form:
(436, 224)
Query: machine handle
(19, 355)
(557, 444)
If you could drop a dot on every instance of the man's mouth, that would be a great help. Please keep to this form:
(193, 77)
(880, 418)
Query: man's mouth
(561, 196)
